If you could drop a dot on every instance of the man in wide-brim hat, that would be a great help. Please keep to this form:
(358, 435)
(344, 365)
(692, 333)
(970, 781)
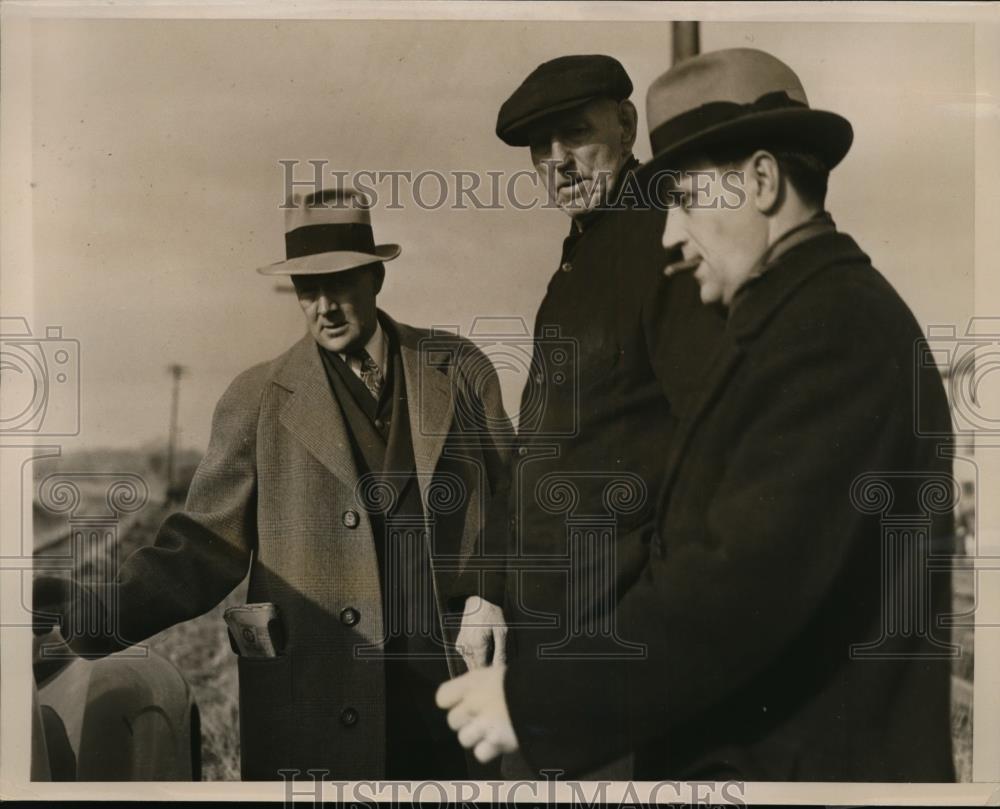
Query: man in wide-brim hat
(353, 477)
(790, 634)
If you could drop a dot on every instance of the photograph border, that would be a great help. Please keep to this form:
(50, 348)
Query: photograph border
(17, 292)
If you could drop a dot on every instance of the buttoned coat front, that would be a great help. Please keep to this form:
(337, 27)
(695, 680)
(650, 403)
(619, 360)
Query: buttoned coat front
(278, 493)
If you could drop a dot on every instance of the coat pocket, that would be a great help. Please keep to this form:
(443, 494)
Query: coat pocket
(267, 720)
(265, 679)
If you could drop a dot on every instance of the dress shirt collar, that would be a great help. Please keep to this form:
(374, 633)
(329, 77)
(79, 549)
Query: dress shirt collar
(376, 348)
(816, 225)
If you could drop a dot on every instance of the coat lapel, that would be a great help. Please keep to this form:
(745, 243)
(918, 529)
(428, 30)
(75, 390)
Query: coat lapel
(430, 402)
(312, 415)
(399, 447)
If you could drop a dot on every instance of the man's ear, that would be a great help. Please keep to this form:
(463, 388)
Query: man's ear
(765, 181)
(378, 276)
(628, 117)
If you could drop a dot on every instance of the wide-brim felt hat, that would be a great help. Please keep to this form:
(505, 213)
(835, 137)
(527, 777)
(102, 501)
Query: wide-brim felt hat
(558, 85)
(328, 231)
(733, 97)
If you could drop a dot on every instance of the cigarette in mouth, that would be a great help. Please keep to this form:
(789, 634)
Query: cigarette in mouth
(682, 266)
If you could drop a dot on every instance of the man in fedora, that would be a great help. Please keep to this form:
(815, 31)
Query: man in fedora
(352, 476)
(789, 605)
(640, 343)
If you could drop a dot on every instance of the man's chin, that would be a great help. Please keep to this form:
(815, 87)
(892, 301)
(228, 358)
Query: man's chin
(339, 342)
(573, 200)
(711, 294)
(577, 205)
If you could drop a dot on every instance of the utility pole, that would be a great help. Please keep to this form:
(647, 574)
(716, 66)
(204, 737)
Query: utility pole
(686, 40)
(177, 371)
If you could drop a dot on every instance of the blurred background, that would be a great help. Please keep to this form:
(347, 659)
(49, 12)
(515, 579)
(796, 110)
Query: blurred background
(157, 186)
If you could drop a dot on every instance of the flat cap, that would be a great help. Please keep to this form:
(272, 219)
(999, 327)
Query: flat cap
(560, 84)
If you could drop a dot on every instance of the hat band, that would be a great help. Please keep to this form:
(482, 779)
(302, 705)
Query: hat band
(309, 240)
(683, 126)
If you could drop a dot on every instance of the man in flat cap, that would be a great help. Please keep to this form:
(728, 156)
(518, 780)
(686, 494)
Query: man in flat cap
(352, 478)
(791, 602)
(601, 429)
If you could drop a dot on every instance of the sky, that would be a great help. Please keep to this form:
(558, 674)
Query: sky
(157, 183)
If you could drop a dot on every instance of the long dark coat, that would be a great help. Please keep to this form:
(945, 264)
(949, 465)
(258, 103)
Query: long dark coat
(618, 350)
(786, 603)
(278, 493)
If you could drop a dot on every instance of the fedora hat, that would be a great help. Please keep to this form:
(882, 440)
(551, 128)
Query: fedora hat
(328, 231)
(738, 96)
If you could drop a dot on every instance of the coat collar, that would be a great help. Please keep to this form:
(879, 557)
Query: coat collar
(757, 302)
(310, 414)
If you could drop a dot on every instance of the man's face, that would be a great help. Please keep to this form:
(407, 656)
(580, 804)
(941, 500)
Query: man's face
(578, 154)
(339, 307)
(719, 232)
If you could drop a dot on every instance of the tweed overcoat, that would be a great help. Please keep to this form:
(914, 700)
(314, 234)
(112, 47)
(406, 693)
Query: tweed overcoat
(791, 600)
(278, 493)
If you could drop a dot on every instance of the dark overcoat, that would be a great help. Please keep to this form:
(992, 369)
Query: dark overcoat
(790, 600)
(618, 349)
(278, 493)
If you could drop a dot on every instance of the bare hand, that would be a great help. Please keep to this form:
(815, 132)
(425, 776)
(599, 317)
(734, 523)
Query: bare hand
(483, 632)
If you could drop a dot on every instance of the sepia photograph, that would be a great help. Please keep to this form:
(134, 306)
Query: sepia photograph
(455, 396)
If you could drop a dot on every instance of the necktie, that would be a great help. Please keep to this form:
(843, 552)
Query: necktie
(369, 372)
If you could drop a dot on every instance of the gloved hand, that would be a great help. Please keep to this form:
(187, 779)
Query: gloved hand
(66, 604)
(50, 598)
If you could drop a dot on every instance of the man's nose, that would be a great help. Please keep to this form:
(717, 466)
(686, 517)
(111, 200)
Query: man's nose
(559, 154)
(674, 235)
(325, 303)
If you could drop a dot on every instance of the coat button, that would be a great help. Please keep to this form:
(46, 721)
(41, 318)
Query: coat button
(566, 267)
(349, 616)
(351, 519)
(522, 451)
(379, 424)
(348, 717)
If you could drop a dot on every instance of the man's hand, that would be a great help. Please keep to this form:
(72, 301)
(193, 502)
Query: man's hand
(477, 710)
(483, 631)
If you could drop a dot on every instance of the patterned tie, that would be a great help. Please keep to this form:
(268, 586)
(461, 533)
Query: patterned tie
(369, 372)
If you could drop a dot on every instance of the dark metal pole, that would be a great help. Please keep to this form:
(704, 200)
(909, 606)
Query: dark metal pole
(686, 40)
(177, 371)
